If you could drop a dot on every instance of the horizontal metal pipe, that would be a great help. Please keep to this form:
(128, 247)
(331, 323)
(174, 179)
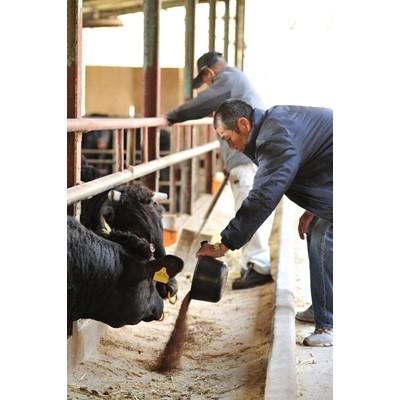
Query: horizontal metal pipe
(92, 124)
(89, 189)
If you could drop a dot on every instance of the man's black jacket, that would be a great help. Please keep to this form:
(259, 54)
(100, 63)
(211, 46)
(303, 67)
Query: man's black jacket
(292, 147)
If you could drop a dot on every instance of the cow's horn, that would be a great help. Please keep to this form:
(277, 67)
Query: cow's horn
(114, 195)
(157, 196)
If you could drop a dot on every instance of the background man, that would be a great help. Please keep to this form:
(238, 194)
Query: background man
(292, 147)
(225, 82)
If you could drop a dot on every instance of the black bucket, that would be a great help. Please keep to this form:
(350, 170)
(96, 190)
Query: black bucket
(209, 280)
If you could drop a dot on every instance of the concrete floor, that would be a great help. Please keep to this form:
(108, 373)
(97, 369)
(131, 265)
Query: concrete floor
(314, 364)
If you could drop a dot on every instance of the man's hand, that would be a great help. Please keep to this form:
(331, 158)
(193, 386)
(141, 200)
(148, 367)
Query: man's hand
(304, 223)
(168, 122)
(212, 250)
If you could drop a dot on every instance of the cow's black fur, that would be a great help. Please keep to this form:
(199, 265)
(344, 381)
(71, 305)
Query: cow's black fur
(109, 284)
(135, 221)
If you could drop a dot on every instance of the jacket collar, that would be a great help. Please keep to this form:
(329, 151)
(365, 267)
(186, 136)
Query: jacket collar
(257, 119)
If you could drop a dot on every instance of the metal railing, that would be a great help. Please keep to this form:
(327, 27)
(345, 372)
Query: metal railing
(188, 163)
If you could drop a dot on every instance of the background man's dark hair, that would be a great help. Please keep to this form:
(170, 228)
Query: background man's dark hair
(229, 112)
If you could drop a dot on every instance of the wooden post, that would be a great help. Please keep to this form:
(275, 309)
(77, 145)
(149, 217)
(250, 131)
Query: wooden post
(226, 30)
(74, 90)
(239, 33)
(208, 162)
(211, 25)
(190, 6)
(151, 68)
(186, 167)
(118, 136)
(172, 173)
(187, 195)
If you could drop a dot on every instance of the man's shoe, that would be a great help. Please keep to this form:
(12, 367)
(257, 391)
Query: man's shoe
(306, 315)
(251, 279)
(322, 337)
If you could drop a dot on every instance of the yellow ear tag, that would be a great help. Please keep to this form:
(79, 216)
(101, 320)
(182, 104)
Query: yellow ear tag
(161, 275)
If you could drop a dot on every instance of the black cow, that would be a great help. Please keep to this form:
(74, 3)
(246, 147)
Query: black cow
(109, 284)
(129, 216)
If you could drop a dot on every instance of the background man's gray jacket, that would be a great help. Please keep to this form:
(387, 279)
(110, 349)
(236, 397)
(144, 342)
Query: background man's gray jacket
(292, 147)
(230, 82)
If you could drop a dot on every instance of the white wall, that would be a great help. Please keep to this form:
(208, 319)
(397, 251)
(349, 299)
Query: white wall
(289, 52)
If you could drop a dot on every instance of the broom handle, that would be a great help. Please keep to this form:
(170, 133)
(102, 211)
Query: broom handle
(211, 206)
(216, 197)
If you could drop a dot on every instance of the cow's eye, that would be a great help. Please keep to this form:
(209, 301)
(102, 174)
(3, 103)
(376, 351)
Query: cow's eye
(108, 214)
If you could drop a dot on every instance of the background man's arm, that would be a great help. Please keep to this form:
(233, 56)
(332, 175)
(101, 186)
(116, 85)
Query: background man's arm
(203, 105)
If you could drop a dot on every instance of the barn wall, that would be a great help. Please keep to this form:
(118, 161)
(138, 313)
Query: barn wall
(111, 90)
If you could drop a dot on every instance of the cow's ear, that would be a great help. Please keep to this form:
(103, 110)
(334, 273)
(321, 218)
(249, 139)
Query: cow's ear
(171, 265)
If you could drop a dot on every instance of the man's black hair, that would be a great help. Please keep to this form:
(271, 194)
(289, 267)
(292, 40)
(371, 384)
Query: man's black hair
(229, 112)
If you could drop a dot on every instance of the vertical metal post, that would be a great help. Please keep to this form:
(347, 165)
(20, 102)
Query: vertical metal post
(74, 92)
(186, 167)
(128, 157)
(144, 141)
(151, 69)
(118, 144)
(190, 6)
(239, 33)
(226, 30)
(211, 26)
(172, 172)
(208, 162)
(194, 178)
(187, 195)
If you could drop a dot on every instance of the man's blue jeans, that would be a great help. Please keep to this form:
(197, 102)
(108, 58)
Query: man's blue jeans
(320, 254)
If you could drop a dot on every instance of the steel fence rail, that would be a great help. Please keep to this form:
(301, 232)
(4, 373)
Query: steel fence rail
(89, 189)
(92, 124)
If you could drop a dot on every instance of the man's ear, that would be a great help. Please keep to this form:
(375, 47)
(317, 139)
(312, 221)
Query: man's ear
(243, 125)
(171, 265)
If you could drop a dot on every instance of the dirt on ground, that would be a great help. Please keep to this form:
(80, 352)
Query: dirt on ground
(224, 357)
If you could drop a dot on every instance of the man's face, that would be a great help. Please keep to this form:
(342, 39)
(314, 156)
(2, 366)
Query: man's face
(236, 139)
(208, 75)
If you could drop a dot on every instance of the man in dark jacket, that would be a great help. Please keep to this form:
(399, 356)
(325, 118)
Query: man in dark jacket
(292, 147)
(225, 82)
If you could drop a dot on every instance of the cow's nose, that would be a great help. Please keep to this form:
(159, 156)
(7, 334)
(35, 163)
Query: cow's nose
(162, 317)
(155, 312)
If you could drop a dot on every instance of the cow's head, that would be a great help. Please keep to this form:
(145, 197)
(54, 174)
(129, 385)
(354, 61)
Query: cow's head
(136, 297)
(133, 208)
